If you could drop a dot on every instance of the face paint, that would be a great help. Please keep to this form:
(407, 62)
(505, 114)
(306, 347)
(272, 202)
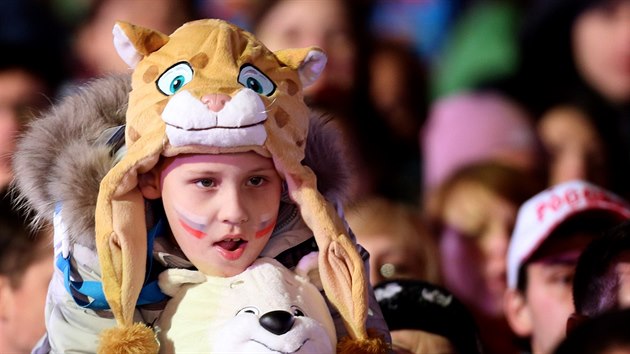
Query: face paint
(266, 226)
(193, 228)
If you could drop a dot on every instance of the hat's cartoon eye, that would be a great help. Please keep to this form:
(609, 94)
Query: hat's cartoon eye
(254, 79)
(297, 312)
(174, 78)
(250, 310)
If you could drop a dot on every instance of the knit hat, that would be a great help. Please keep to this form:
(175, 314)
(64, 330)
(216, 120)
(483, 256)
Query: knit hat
(418, 305)
(257, 105)
(472, 127)
(538, 217)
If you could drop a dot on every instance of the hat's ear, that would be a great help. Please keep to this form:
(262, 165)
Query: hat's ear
(309, 62)
(134, 42)
(308, 268)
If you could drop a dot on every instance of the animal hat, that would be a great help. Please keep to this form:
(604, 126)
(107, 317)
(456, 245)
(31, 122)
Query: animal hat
(211, 87)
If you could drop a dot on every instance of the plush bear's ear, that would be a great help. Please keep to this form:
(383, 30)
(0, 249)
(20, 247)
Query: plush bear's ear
(309, 62)
(171, 280)
(308, 268)
(134, 42)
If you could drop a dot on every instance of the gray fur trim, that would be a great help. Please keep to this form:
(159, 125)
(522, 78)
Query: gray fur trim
(59, 158)
(57, 161)
(326, 155)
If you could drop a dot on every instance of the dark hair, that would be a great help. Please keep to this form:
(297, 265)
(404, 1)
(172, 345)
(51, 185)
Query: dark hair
(419, 305)
(598, 335)
(595, 284)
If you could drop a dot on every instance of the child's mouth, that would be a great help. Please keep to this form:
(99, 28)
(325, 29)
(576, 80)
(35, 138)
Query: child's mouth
(231, 248)
(230, 244)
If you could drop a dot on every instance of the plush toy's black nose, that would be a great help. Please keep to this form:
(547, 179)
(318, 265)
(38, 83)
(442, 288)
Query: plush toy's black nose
(277, 322)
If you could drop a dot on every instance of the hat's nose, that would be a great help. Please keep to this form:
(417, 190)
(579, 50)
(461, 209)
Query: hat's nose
(277, 322)
(215, 101)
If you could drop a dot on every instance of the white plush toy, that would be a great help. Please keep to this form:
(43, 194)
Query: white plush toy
(265, 309)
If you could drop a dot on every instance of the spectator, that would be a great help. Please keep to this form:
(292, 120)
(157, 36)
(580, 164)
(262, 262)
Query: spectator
(399, 244)
(574, 148)
(93, 48)
(601, 281)
(473, 218)
(340, 28)
(31, 69)
(604, 334)
(26, 266)
(551, 231)
(572, 56)
(470, 128)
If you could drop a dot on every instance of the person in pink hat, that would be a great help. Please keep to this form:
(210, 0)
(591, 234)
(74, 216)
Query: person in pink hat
(472, 127)
(552, 229)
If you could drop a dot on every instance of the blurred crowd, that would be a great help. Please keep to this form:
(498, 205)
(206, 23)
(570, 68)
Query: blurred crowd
(490, 149)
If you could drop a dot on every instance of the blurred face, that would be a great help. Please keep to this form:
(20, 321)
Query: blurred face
(473, 246)
(19, 91)
(23, 308)
(322, 23)
(575, 149)
(420, 342)
(221, 208)
(548, 296)
(393, 258)
(94, 44)
(601, 45)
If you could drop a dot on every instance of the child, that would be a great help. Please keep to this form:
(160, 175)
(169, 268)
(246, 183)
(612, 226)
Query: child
(221, 208)
(474, 216)
(207, 72)
(552, 228)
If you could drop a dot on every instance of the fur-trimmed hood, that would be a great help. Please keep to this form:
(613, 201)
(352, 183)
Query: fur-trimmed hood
(62, 156)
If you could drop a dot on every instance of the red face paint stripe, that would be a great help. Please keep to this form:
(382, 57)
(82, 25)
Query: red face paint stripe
(266, 230)
(196, 233)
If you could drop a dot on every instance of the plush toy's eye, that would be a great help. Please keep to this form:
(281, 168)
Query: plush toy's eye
(297, 312)
(254, 79)
(174, 78)
(248, 310)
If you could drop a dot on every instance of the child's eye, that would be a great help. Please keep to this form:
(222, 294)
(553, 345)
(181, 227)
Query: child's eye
(256, 181)
(205, 183)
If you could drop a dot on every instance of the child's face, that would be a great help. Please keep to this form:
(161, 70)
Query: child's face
(221, 208)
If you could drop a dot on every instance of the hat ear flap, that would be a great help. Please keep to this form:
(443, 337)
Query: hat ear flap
(134, 42)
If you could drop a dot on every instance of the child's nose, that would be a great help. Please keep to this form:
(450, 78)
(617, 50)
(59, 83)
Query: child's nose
(215, 101)
(233, 209)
